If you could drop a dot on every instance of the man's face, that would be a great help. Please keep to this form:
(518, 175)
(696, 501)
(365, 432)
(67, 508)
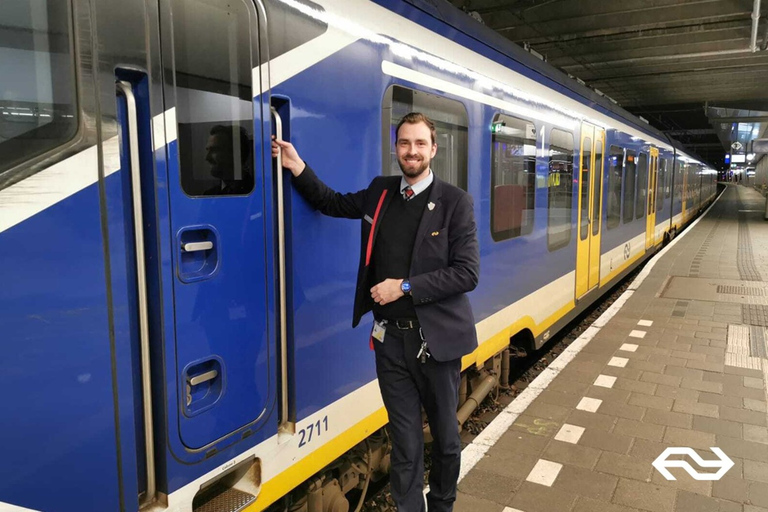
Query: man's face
(414, 149)
(219, 155)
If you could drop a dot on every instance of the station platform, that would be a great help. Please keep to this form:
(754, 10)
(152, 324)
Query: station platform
(679, 360)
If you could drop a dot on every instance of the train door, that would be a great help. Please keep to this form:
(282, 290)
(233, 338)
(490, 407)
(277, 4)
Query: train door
(650, 222)
(219, 219)
(590, 208)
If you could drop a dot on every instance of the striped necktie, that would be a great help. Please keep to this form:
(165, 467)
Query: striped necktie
(407, 193)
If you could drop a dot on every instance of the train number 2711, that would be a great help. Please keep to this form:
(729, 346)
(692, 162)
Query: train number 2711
(313, 430)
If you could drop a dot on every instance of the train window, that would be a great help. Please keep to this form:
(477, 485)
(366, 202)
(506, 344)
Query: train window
(586, 162)
(615, 171)
(630, 167)
(560, 188)
(662, 173)
(38, 101)
(642, 185)
(597, 187)
(214, 95)
(678, 180)
(450, 118)
(667, 177)
(513, 177)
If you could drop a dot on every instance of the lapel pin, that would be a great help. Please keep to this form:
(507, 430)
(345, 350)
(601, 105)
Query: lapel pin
(431, 205)
(435, 233)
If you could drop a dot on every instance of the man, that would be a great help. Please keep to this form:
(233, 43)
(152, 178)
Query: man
(230, 164)
(418, 257)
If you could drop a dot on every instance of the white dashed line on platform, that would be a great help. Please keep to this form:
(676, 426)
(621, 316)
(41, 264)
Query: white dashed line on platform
(619, 362)
(544, 472)
(589, 404)
(569, 433)
(645, 323)
(605, 381)
(629, 347)
(637, 334)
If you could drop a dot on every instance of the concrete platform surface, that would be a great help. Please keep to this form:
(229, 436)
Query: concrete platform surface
(682, 363)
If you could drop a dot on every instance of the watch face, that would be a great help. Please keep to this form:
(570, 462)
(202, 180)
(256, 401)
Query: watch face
(406, 286)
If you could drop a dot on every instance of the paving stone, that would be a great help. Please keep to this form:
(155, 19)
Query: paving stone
(691, 502)
(696, 408)
(608, 394)
(626, 373)
(716, 399)
(692, 355)
(684, 482)
(646, 366)
(469, 502)
(584, 504)
(678, 371)
(746, 372)
(702, 385)
(653, 402)
(753, 382)
(673, 419)
(516, 441)
(633, 428)
(742, 416)
(645, 451)
(585, 482)
(572, 454)
(593, 420)
(754, 405)
(752, 508)
(516, 466)
(489, 486)
(557, 398)
(724, 378)
(624, 466)
(730, 488)
(729, 506)
(678, 393)
(707, 350)
(757, 471)
(542, 409)
(645, 496)
(667, 361)
(746, 450)
(755, 434)
(622, 410)
(758, 494)
(706, 366)
(686, 437)
(743, 391)
(538, 498)
(635, 386)
(658, 378)
(605, 441)
(717, 426)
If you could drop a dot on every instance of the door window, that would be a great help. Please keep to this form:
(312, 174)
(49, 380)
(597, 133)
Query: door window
(214, 94)
(586, 156)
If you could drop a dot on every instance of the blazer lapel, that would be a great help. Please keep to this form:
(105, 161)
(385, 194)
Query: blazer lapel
(431, 212)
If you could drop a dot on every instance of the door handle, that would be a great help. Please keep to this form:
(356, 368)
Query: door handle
(203, 377)
(196, 246)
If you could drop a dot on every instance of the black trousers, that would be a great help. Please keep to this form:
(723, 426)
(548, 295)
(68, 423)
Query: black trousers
(405, 385)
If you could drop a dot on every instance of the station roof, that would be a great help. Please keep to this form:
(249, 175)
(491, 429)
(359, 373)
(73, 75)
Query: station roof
(687, 66)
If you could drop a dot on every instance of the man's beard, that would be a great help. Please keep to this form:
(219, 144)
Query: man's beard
(414, 172)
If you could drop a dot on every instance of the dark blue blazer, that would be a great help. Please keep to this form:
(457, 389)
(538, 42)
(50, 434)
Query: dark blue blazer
(445, 263)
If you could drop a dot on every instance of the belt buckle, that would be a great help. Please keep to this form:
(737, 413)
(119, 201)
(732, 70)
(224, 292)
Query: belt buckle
(404, 324)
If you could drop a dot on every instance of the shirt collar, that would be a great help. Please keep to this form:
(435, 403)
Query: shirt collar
(420, 186)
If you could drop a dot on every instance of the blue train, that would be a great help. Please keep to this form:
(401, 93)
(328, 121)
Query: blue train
(176, 321)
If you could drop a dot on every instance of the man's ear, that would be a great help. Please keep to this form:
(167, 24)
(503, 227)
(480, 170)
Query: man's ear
(434, 149)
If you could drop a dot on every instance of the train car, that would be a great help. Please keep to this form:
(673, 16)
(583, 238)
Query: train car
(176, 320)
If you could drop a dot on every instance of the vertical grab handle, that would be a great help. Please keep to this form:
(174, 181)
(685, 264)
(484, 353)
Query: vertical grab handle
(284, 424)
(141, 284)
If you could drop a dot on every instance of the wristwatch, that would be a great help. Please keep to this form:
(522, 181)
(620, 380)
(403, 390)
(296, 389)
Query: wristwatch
(405, 287)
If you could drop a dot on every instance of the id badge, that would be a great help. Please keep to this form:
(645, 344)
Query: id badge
(378, 331)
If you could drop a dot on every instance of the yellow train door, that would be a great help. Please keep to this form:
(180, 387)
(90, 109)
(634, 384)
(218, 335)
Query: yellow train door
(650, 220)
(590, 209)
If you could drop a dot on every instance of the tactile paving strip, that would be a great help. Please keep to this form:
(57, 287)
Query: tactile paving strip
(744, 259)
(740, 290)
(752, 314)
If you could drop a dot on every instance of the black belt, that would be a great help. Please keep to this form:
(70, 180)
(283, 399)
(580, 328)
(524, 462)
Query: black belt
(403, 323)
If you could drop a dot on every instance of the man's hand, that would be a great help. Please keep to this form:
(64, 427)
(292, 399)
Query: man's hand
(291, 159)
(387, 291)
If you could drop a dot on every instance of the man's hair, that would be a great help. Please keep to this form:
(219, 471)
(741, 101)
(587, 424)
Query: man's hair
(226, 132)
(415, 118)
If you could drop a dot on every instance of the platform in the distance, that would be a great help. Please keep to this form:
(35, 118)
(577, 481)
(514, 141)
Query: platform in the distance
(683, 363)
